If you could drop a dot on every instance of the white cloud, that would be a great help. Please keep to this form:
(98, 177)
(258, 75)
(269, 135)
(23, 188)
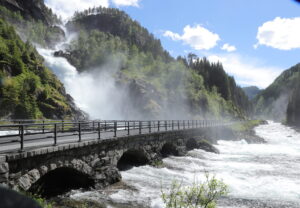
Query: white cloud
(247, 72)
(197, 37)
(228, 48)
(66, 9)
(126, 2)
(280, 33)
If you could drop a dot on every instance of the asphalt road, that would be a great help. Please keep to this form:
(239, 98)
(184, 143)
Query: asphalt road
(10, 144)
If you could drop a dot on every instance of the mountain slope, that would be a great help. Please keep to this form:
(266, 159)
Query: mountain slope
(118, 23)
(27, 88)
(293, 109)
(272, 102)
(157, 85)
(251, 91)
(33, 21)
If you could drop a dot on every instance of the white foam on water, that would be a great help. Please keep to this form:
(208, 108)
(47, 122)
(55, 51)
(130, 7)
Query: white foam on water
(267, 172)
(4, 133)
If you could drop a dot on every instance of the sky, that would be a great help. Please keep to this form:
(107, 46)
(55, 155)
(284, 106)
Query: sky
(255, 40)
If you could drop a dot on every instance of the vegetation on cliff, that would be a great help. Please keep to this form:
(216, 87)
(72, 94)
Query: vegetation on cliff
(272, 103)
(33, 21)
(293, 109)
(251, 91)
(110, 36)
(27, 88)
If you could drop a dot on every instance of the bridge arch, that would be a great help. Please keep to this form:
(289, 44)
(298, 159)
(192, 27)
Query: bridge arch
(132, 158)
(60, 181)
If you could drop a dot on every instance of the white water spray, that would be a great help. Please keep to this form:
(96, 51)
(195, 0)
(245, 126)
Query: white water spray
(258, 175)
(95, 91)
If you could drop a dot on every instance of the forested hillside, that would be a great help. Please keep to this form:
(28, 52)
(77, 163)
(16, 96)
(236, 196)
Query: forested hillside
(158, 86)
(27, 88)
(293, 109)
(158, 83)
(273, 102)
(33, 20)
(251, 91)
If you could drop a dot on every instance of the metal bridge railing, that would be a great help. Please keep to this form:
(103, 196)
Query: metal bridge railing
(30, 131)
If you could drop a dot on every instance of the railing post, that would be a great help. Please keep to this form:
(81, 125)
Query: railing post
(43, 126)
(104, 125)
(183, 124)
(99, 131)
(19, 127)
(115, 129)
(21, 137)
(178, 123)
(172, 124)
(62, 126)
(55, 134)
(149, 125)
(79, 131)
(158, 125)
(140, 127)
(188, 124)
(166, 125)
(128, 128)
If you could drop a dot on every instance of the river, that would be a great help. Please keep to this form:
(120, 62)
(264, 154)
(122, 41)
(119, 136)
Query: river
(258, 175)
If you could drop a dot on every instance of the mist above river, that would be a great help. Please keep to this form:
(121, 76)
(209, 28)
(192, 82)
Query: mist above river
(258, 175)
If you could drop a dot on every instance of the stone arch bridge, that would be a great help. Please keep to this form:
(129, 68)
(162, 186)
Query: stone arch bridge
(53, 169)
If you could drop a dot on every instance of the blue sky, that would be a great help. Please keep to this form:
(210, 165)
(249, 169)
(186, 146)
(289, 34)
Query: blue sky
(255, 40)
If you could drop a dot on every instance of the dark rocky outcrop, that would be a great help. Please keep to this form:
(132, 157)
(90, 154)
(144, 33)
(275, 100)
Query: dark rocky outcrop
(57, 35)
(207, 146)
(31, 9)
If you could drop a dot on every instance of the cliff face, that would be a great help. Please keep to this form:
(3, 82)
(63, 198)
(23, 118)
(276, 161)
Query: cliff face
(272, 103)
(29, 90)
(33, 21)
(31, 9)
(293, 109)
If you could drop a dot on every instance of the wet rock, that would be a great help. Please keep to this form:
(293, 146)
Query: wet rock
(53, 166)
(4, 168)
(34, 175)
(4, 178)
(205, 145)
(24, 182)
(95, 162)
(57, 35)
(107, 175)
(43, 170)
(15, 176)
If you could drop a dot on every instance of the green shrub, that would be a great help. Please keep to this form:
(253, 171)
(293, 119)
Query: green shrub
(198, 195)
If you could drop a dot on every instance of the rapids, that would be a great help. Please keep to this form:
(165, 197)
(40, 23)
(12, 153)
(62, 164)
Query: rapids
(258, 175)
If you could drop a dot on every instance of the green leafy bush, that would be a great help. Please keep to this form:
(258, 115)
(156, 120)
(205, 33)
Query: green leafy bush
(198, 195)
